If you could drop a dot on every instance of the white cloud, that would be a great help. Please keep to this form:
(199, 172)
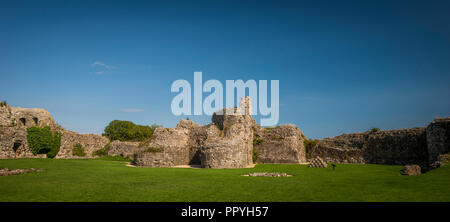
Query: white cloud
(132, 110)
(101, 64)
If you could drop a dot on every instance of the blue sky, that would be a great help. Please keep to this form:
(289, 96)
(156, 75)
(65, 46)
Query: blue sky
(343, 66)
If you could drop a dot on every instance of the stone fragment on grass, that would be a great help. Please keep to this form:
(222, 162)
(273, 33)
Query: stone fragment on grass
(411, 170)
(266, 174)
(8, 172)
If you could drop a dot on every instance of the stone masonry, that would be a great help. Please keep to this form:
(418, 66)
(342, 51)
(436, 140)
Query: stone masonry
(400, 147)
(228, 142)
(234, 140)
(13, 135)
(438, 138)
(281, 144)
(422, 146)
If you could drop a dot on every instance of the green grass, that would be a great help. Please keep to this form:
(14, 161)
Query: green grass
(106, 180)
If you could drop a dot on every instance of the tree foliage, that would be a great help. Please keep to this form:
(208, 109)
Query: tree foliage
(42, 140)
(128, 131)
(78, 150)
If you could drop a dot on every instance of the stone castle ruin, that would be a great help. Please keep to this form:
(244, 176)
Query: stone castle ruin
(422, 146)
(233, 139)
(14, 122)
(227, 142)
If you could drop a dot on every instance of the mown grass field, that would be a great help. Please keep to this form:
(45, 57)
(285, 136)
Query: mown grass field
(103, 180)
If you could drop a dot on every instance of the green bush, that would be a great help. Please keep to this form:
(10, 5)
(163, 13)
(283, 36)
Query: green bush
(78, 150)
(128, 131)
(3, 103)
(257, 141)
(103, 151)
(374, 130)
(42, 140)
(309, 144)
(255, 156)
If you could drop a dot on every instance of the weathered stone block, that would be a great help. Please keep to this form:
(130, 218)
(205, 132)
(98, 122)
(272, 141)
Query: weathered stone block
(438, 138)
(411, 170)
(281, 144)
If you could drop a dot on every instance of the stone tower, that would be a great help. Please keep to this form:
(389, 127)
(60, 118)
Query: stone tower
(230, 138)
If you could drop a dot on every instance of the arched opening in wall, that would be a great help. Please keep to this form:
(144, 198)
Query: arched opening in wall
(16, 146)
(35, 119)
(23, 120)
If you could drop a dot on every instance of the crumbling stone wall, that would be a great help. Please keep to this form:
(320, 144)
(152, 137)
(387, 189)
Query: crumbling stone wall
(196, 137)
(405, 146)
(438, 138)
(123, 148)
(399, 147)
(281, 144)
(26, 117)
(229, 138)
(160, 159)
(226, 143)
(223, 150)
(89, 142)
(13, 144)
(173, 143)
(13, 135)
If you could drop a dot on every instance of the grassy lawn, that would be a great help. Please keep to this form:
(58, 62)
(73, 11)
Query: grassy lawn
(103, 180)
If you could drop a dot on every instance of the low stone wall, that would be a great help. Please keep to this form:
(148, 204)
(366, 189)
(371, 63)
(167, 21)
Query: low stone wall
(124, 149)
(405, 146)
(89, 142)
(282, 144)
(160, 159)
(225, 154)
(174, 145)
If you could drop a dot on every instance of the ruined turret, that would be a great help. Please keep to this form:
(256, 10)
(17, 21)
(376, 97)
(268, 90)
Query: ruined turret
(230, 144)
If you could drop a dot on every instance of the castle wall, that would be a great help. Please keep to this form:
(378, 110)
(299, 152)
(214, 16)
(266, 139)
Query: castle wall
(89, 142)
(230, 140)
(13, 144)
(281, 144)
(15, 120)
(173, 143)
(123, 148)
(13, 134)
(438, 138)
(405, 146)
(225, 154)
(227, 148)
(161, 159)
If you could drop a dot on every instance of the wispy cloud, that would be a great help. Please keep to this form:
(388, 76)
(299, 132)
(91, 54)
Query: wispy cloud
(101, 64)
(132, 110)
(101, 68)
